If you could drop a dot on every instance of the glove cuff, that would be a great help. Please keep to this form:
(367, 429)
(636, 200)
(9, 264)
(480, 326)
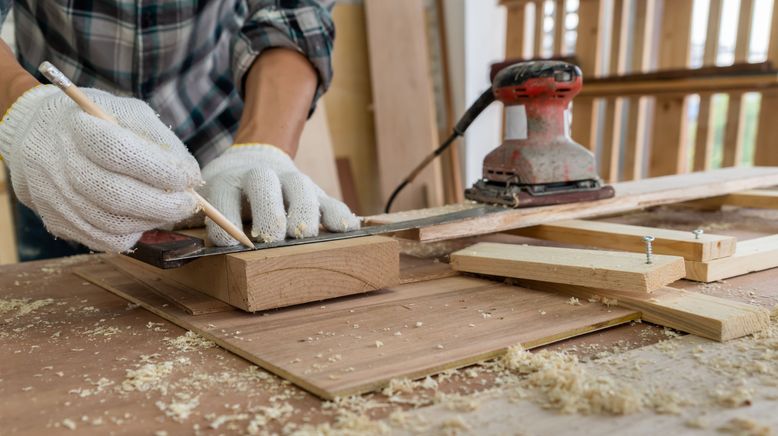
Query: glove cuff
(16, 118)
(258, 146)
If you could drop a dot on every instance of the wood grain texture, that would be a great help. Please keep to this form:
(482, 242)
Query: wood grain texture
(752, 255)
(631, 195)
(703, 148)
(699, 314)
(403, 103)
(594, 268)
(8, 252)
(589, 51)
(630, 238)
(280, 277)
(332, 350)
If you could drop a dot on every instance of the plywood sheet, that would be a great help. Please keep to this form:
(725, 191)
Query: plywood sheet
(359, 343)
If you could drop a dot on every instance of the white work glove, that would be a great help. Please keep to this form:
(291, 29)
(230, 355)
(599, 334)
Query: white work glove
(269, 180)
(90, 180)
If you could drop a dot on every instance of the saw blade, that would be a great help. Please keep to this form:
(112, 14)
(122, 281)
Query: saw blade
(474, 212)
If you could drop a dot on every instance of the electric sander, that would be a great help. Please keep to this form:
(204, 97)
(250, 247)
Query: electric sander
(538, 164)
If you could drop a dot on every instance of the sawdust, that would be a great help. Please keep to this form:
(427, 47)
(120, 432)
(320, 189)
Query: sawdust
(18, 307)
(181, 407)
(745, 427)
(189, 341)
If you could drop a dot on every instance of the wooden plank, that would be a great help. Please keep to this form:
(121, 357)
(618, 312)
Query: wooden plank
(610, 152)
(767, 128)
(8, 253)
(406, 130)
(280, 277)
(699, 314)
(348, 185)
(351, 346)
(594, 268)
(539, 32)
(630, 238)
(315, 156)
(755, 199)
(559, 28)
(751, 255)
(515, 28)
(668, 153)
(703, 141)
(745, 82)
(629, 196)
(735, 125)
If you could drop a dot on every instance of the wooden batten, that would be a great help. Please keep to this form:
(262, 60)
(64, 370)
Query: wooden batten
(594, 268)
(751, 255)
(630, 238)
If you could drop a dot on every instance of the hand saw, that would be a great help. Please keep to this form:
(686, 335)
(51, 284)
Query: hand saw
(165, 249)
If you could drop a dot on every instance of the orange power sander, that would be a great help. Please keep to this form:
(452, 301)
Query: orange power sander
(538, 164)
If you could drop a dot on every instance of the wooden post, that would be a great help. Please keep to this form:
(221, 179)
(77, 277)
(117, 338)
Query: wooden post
(515, 30)
(668, 151)
(7, 235)
(588, 51)
(559, 28)
(611, 135)
(703, 141)
(766, 152)
(642, 51)
(733, 133)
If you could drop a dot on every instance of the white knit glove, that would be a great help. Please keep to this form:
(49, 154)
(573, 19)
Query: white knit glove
(93, 181)
(268, 179)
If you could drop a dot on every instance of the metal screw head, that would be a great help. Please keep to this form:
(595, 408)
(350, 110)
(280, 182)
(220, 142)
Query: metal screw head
(698, 233)
(648, 238)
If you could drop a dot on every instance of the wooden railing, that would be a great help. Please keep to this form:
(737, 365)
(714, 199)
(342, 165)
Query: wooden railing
(671, 122)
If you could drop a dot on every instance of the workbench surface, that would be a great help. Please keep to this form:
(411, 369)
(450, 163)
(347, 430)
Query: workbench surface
(75, 357)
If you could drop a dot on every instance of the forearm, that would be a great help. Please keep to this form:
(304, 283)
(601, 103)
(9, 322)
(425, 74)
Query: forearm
(279, 89)
(14, 80)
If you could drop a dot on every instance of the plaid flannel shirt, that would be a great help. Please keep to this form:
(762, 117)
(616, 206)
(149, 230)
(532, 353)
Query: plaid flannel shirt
(186, 58)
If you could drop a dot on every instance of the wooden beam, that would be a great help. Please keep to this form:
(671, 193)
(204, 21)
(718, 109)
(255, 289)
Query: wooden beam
(746, 82)
(280, 277)
(630, 238)
(515, 28)
(751, 255)
(699, 314)
(668, 153)
(595, 268)
(588, 51)
(610, 151)
(403, 103)
(755, 199)
(629, 196)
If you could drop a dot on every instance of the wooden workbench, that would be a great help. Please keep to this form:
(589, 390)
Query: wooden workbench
(88, 360)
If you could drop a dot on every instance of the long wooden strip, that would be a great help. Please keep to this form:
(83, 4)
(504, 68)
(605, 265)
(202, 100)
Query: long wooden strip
(403, 103)
(358, 344)
(595, 268)
(285, 276)
(752, 255)
(703, 150)
(629, 196)
(630, 238)
(767, 128)
(7, 235)
(703, 315)
(758, 199)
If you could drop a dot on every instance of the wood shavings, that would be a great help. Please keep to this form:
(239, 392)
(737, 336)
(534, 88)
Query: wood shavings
(69, 424)
(147, 377)
(22, 306)
(574, 301)
(745, 427)
(181, 407)
(738, 396)
(379, 344)
(189, 341)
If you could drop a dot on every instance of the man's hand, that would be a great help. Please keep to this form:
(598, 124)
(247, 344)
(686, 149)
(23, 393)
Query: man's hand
(268, 178)
(90, 180)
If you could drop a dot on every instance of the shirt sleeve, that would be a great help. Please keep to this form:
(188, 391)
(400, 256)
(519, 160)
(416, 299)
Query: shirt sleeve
(302, 25)
(5, 8)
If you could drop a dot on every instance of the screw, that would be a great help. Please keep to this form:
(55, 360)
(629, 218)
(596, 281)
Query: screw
(698, 233)
(649, 248)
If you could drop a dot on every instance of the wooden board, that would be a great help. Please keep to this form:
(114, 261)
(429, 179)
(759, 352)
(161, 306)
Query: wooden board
(752, 255)
(403, 103)
(703, 315)
(7, 234)
(630, 238)
(630, 196)
(331, 350)
(595, 268)
(757, 199)
(315, 156)
(280, 277)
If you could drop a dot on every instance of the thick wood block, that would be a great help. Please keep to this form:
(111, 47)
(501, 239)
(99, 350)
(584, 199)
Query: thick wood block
(703, 315)
(604, 269)
(630, 238)
(752, 255)
(280, 277)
